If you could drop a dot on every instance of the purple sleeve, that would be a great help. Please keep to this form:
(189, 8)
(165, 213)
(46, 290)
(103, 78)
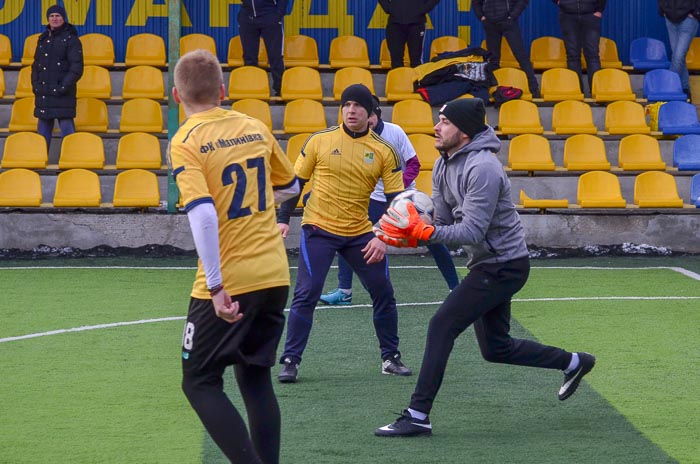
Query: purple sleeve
(411, 171)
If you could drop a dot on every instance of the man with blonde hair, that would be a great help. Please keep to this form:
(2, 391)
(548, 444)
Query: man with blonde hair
(231, 172)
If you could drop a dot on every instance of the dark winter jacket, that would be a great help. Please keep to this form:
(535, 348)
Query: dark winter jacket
(498, 10)
(256, 8)
(407, 11)
(677, 10)
(58, 64)
(580, 7)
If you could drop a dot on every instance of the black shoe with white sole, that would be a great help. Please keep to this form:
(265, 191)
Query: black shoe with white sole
(393, 366)
(289, 372)
(573, 379)
(406, 426)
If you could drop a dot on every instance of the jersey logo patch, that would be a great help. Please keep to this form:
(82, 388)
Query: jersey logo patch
(369, 157)
(335, 152)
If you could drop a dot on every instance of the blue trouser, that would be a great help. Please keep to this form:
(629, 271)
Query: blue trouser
(318, 248)
(680, 35)
(440, 253)
(45, 126)
(581, 33)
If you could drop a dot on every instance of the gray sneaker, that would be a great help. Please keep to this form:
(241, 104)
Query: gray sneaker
(394, 366)
(289, 372)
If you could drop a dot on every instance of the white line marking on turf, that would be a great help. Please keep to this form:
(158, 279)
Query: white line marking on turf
(86, 328)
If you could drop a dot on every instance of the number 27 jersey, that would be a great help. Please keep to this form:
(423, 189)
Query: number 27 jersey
(233, 161)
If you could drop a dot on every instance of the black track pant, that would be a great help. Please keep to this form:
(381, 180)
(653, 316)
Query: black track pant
(225, 424)
(483, 299)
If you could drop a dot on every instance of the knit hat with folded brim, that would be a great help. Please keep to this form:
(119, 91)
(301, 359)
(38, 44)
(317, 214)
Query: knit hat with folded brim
(360, 94)
(468, 114)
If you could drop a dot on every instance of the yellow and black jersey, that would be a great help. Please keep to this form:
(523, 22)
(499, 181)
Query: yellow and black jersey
(344, 171)
(233, 161)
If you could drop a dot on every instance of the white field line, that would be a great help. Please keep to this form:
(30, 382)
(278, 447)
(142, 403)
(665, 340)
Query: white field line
(86, 328)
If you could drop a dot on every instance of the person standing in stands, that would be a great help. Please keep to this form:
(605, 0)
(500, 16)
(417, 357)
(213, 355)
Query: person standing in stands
(264, 18)
(682, 24)
(410, 167)
(580, 21)
(500, 20)
(406, 26)
(57, 67)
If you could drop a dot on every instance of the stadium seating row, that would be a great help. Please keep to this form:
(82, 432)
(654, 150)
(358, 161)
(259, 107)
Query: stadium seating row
(79, 188)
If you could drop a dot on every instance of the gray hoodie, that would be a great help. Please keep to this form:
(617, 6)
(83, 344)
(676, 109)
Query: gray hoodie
(473, 206)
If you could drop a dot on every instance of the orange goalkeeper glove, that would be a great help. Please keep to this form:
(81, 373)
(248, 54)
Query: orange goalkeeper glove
(398, 241)
(410, 226)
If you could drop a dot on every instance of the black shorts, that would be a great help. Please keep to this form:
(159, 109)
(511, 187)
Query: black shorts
(209, 343)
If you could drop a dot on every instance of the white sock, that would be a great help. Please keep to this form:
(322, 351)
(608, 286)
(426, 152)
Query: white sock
(417, 414)
(573, 364)
(347, 291)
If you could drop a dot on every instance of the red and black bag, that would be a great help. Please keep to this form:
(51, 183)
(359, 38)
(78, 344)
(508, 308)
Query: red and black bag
(503, 94)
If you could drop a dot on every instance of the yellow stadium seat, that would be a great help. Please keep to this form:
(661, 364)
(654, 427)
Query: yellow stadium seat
(98, 49)
(77, 188)
(345, 77)
(507, 59)
(385, 56)
(2, 83)
(143, 82)
(639, 152)
(598, 189)
(20, 187)
(559, 84)
(424, 145)
(24, 150)
(348, 50)
(254, 108)
(95, 82)
(573, 117)
(145, 50)
(192, 42)
(91, 115)
(235, 53)
(692, 58)
(295, 144)
(585, 152)
(542, 203)
(607, 49)
(300, 50)
(82, 150)
(519, 117)
(656, 189)
(22, 116)
(181, 114)
(139, 150)
(136, 188)
(24, 83)
(301, 82)
(547, 53)
(304, 115)
(399, 85)
(530, 152)
(248, 82)
(5, 50)
(424, 182)
(446, 43)
(414, 116)
(611, 85)
(513, 77)
(625, 117)
(141, 115)
(29, 48)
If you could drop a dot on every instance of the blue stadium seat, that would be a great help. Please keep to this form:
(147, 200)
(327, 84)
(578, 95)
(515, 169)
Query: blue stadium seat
(663, 85)
(677, 117)
(695, 190)
(686, 156)
(647, 53)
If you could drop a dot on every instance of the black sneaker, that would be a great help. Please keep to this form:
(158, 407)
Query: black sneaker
(394, 366)
(572, 379)
(406, 426)
(289, 371)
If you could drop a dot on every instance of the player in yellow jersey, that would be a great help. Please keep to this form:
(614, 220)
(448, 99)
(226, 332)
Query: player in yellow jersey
(231, 171)
(344, 163)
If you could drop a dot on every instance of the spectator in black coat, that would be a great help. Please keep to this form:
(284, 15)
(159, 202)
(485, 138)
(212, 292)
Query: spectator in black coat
(57, 67)
(406, 26)
(500, 19)
(580, 22)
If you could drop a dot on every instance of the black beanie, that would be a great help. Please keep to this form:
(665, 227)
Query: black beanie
(358, 93)
(468, 114)
(57, 9)
(376, 109)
